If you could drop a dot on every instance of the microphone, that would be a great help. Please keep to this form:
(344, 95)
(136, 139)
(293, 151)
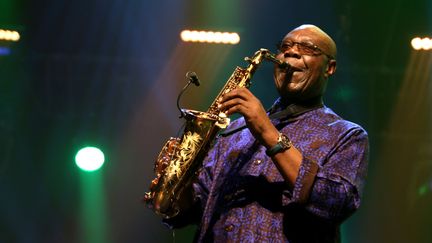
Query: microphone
(193, 78)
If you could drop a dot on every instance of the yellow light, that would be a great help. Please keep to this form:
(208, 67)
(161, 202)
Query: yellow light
(418, 43)
(210, 37)
(427, 43)
(9, 35)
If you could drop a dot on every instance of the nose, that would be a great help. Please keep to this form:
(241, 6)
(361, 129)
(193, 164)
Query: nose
(292, 52)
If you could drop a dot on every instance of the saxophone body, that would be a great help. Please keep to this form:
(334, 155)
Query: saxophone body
(180, 158)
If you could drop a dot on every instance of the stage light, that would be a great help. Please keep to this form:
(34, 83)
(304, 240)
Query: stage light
(89, 159)
(210, 37)
(418, 43)
(9, 35)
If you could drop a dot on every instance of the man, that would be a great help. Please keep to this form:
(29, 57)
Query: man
(293, 176)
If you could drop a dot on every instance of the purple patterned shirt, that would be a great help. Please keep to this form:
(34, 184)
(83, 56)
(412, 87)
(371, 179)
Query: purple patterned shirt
(244, 198)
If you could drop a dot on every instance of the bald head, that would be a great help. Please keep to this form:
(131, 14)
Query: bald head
(312, 53)
(322, 39)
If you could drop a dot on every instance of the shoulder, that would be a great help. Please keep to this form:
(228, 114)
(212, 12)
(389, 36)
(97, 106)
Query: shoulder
(340, 127)
(324, 122)
(330, 119)
(321, 131)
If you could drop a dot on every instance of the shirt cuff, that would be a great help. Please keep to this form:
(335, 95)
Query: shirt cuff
(304, 182)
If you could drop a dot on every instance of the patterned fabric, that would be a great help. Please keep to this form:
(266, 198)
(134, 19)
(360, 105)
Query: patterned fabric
(244, 198)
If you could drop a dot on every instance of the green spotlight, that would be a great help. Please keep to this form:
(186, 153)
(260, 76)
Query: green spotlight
(422, 190)
(89, 159)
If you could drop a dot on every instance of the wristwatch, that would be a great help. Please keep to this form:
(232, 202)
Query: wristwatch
(283, 143)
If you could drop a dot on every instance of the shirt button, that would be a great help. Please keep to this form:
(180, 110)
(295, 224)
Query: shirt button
(257, 161)
(229, 228)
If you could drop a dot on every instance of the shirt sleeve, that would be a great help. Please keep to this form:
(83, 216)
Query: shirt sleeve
(205, 176)
(333, 190)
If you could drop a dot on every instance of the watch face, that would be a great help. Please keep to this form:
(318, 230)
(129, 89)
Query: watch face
(285, 141)
(283, 144)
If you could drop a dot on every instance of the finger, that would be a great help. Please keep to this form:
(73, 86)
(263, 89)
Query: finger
(238, 108)
(230, 103)
(236, 93)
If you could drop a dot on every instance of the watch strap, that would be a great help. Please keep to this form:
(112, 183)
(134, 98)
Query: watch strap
(283, 144)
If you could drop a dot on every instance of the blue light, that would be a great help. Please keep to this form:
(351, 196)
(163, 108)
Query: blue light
(4, 51)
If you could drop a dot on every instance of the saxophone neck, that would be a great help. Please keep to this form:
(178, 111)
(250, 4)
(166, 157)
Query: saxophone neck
(241, 77)
(259, 56)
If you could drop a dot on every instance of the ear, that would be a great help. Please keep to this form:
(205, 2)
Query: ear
(331, 67)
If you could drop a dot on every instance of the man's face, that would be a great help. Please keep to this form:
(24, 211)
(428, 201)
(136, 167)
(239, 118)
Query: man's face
(308, 52)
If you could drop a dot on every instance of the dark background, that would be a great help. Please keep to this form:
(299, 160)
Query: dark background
(107, 74)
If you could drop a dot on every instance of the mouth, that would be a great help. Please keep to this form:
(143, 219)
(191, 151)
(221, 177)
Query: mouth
(295, 69)
(288, 68)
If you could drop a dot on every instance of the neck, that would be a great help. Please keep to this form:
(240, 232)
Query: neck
(306, 103)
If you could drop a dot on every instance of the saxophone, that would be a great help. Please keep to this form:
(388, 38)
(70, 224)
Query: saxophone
(180, 158)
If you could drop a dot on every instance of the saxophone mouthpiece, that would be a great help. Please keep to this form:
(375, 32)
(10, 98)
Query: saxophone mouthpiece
(284, 65)
(288, 68)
